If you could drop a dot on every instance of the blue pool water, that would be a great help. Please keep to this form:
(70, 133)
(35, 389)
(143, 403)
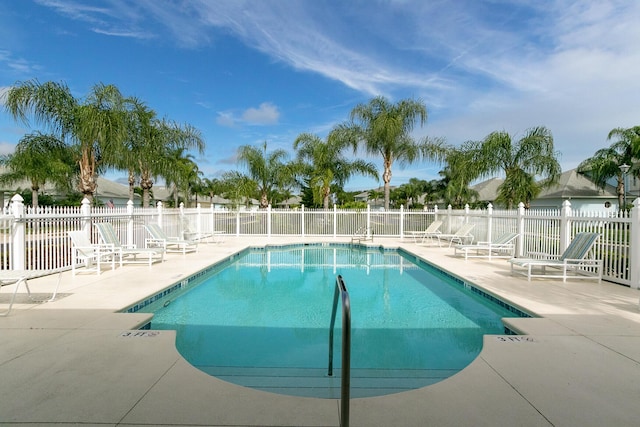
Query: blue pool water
(262, 320)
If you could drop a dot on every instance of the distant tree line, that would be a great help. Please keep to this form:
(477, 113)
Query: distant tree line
(83, 138)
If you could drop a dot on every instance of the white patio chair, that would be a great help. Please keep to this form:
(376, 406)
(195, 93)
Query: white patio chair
(429, 233)
(170, 244)
(129, 254)
(461, 236)
(572, 263)
(501, 247)
(93, 255)
(18, 277)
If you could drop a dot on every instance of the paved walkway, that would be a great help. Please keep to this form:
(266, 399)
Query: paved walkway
(76, 360)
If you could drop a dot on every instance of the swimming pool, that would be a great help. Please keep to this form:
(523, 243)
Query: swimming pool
(261, 319)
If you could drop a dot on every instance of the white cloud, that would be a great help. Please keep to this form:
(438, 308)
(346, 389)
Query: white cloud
(225, 119)
(265, 114)
(6, 148)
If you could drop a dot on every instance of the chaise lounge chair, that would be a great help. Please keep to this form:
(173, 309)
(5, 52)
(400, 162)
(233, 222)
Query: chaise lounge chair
(573, 263)
(502, 247)
(193, 235)
(362, 234)
(429, 233)
(128, 254)
(170, 244)
(92, 254)
(18, 277)
(463, 234)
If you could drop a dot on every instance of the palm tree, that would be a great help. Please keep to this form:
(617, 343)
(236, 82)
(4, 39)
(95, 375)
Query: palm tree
(239, 187)
(141, 145)
(324, 164)
(39, 159)
(264, 168)
(162, 153)
(96, 125)
(463, 165)
(385, 129)
(605, 163)
(212, 187)
(182, 173)
(531, 157)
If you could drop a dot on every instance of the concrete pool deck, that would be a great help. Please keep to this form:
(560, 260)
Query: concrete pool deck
(77, 361)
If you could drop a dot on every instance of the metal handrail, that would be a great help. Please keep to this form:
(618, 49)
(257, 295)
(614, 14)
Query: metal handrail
(341, 290)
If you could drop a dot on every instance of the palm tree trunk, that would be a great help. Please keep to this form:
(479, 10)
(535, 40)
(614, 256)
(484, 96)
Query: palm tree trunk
(132, 182)
(386, 178)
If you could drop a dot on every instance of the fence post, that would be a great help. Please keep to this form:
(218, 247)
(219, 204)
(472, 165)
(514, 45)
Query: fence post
(302, 219)
(159, 208)
(520, 230)
(449, 216)
(18, 241)
(401, 222)
(269, 220)
(634, 248)
(335, 220)
(489, 223)
(199, 219)
(212, 217)
(129, 240)
(181, 220)
(368, 220)
(238, 222)
(565, 226)
(85, 216)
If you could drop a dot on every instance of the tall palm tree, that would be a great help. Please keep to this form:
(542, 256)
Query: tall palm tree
(264, 168)
(212, 187)
(141, 145)
(239, 187)
(605, 163)
(181, 174)
(385, 129)
(96, 124)
(39, 159)
(531, 157)
(162, 153)
(463, 165)
(324, 163)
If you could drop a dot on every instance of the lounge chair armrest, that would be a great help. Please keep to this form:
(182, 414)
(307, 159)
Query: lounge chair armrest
(543, 255)
(583, 261)
(151, 243)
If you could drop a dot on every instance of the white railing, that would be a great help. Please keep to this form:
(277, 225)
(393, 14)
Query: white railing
(37, 238)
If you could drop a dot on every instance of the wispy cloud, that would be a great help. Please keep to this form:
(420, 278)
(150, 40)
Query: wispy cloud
(116, 19)
(265, 114)
(19, 66)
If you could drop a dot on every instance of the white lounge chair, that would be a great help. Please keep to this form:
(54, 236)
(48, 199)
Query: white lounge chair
(128, 254)
(18, 277)
(170, 244)
(501, 247)
(429, 233)
(190, 234)
(93, 255)
(461, 236)
(576, 262)
(362, 234)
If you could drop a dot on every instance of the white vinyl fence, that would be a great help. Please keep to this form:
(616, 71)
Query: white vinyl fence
(37, 238)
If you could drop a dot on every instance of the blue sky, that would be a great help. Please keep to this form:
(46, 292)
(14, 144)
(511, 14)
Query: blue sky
(245, 72)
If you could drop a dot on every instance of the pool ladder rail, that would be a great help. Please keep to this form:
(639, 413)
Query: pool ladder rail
(345, 389)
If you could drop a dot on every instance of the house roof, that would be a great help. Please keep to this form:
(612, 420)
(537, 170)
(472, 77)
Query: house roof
(570, 185)
(574, 185)
(114, 189)
(487, 190)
